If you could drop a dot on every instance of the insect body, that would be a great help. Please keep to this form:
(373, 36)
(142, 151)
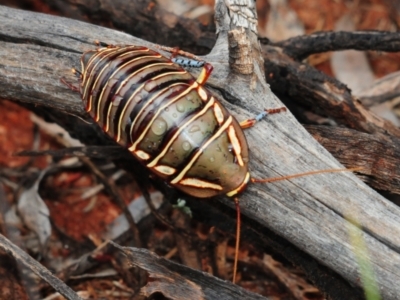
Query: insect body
(170, 122)
(166, 118)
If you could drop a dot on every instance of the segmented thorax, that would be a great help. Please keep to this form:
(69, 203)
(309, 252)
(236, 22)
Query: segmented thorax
(173, 125)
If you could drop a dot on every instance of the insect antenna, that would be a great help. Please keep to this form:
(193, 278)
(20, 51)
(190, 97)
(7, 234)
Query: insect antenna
(274, 179)
(235, 263)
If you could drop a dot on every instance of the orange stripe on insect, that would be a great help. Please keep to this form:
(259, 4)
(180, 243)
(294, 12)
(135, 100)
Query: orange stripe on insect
(141, 49)
(131, 75)
(101, 72)
(140, 138)
(117, 99)
(179, 131)
(91, 60)
(166, 170)
(148, 102)
(200, 151)
(202, 93)
(235, 144)
(198, 183)
(132, 97)
(85, 80)
(90, 101)
(218, 113)
(241, 187)
(142, 155)
(99, 52)
(124, 82)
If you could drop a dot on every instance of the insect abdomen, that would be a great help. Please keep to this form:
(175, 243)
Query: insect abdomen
(172, 124)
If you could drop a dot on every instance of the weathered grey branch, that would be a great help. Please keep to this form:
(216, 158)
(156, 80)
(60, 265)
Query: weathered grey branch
(379, 157)
(175, 281)
(303, 46)
(323, 94)
(310, 212)
(289, 79)
(146, 19)
(23, 258)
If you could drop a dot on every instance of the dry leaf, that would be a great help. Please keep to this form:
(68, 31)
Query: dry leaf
(34, 212)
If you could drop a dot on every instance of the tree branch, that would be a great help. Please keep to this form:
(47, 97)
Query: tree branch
(303, 46)
(310, 212)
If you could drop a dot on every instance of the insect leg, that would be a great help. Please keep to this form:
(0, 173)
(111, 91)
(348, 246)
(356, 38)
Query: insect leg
(77, 73)
(204, 74)
(100, 44)
(70, 85)
(250, 122)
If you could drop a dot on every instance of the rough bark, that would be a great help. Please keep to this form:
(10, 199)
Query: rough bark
(379, 157)
(28, 262)
(311, 212)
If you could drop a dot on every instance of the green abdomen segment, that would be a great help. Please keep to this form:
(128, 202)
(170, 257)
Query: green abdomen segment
(167, 120)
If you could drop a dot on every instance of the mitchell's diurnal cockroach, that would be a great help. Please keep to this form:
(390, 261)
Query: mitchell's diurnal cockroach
(169, 121)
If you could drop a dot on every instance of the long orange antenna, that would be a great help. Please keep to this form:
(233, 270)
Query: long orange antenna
(235, 263)
(274, 179)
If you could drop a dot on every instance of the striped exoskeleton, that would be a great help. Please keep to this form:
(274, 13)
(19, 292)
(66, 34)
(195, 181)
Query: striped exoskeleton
(166, 118)
(169, 121)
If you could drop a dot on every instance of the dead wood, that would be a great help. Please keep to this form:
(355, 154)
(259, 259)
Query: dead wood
(102, 152)
(28, 262)
(301, 47)
(319, 92)
(215, 214)
(322, 94)
(379, 158)
(386, 89)
(310, 212)
(175, 281)
(145, 19)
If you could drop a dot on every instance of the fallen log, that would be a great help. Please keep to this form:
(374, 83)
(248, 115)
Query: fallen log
(312, 213)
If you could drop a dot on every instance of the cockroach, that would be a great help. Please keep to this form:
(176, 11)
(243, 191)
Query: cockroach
(169, 121)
